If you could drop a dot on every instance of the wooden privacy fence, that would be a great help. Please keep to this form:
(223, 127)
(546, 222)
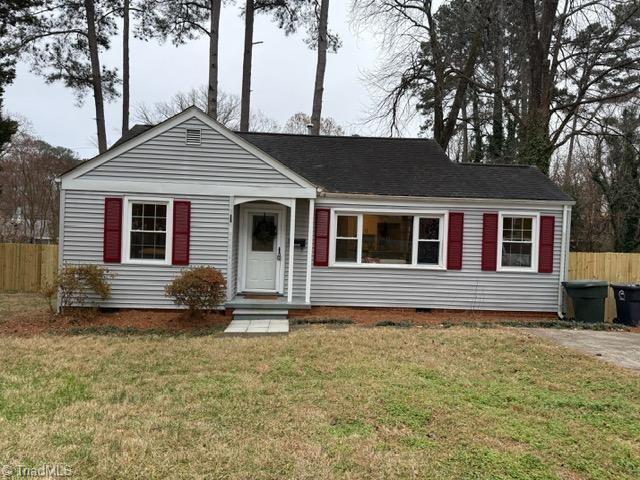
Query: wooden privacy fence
(25, 267)
(612, 267)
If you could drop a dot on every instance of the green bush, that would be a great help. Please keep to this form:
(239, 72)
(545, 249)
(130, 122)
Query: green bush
(75, 283)
(198, 289)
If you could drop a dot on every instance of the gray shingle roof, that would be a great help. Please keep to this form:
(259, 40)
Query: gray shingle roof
(131, 133)
(395, 166)
(400, 167)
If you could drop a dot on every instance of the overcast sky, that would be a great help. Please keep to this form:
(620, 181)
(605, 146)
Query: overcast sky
(282, 84)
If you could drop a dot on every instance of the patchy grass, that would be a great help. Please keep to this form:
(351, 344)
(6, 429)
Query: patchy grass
(561, 324)
(21, 303)
(393, 323)
(319, 403)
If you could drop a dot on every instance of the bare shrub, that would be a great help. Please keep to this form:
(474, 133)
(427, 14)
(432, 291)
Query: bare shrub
(77, 284)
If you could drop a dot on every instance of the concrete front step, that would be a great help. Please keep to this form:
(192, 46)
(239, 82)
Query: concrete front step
(259, 314)
(259, 304)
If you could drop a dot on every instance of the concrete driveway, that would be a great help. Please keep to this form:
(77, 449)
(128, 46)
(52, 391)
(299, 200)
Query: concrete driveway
(620, 348)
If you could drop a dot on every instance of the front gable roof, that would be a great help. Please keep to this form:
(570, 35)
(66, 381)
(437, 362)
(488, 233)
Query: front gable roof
(141, 135)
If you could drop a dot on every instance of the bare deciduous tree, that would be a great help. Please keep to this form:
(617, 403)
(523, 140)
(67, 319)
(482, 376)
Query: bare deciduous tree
(419, 53)
(299, 123)
(27, 173)
(228, 110)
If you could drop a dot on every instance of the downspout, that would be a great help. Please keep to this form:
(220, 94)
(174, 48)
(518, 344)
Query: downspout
(564, 255)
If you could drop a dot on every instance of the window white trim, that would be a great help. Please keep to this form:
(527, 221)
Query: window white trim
(357, 238)
(443, 231)
(443, 215)
(126, 231)
(535, 239)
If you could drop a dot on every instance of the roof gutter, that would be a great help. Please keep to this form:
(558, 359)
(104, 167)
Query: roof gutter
(480, 201)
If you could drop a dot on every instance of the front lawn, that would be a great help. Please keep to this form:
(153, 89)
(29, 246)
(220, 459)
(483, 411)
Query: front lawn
(318, 403)
(12, 304)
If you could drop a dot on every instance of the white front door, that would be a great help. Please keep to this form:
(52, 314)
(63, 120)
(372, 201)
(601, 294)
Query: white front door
(263, 250)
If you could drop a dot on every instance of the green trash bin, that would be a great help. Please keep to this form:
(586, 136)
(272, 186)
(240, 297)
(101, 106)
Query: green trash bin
(588, 298)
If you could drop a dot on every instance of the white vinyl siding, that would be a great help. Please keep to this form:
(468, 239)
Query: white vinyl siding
(469, 288)
(167, 157)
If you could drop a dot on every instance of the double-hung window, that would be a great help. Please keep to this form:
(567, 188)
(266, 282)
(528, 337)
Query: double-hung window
(148, 231)
(346, 249)
(389, 239)
(429, 240)
(517, 246)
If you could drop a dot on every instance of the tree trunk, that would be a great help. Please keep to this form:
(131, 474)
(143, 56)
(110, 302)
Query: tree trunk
(568, 166)
(439, 77)
(463, 82)
(496, 142)
(214, 32)
(125, 67)
(316, 113)
(438, 101)
(96, 75)
(477, 130)
(465, 131)
(245, 102)
(536, 145)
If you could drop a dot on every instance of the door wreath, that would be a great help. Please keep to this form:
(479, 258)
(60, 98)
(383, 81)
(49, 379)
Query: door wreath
(265, 230)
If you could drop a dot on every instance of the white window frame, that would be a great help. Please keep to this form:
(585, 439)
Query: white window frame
(126, 230)
(417, 240)
(357, 238)
(535, 239)
(442, 215)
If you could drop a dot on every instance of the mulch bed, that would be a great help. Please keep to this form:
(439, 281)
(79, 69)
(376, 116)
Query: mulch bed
(124, 320)
(372, 316)
(175, 322)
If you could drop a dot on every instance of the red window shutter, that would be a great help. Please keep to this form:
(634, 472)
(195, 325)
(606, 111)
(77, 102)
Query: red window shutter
(321, 240)
(454, 242)
(181, 232)
(545, 253)
(489, 241)
(112, 236)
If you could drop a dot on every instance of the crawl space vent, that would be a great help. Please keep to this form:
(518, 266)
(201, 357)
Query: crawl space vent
(194, 136)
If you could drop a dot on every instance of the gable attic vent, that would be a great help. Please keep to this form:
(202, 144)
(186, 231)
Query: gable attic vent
(194, 136)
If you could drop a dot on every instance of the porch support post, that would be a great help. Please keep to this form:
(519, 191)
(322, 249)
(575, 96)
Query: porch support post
(231, 287)
(307, 288)
(292, 231)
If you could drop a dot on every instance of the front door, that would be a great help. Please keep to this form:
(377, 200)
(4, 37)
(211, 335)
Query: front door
(263, 250)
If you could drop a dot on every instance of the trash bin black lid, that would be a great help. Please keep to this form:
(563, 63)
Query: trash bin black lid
(585, 283)
(626, 286)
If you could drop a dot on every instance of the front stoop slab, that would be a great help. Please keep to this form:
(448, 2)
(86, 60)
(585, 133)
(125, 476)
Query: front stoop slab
(263, 326)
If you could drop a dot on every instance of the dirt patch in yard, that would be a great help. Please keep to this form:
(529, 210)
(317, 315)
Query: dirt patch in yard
(39, 322)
